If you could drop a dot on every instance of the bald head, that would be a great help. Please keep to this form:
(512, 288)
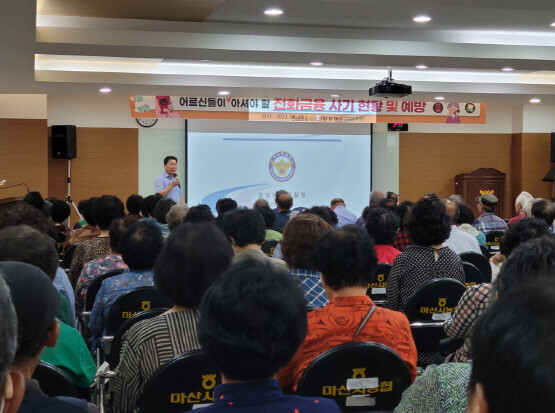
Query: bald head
(284, 202)
(451, 208)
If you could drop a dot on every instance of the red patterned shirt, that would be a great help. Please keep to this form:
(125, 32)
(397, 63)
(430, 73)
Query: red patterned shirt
(402, 240)
(337, 323)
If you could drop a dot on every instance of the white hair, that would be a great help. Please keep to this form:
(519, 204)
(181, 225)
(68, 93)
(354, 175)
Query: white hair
(528, 206)
(522, 198)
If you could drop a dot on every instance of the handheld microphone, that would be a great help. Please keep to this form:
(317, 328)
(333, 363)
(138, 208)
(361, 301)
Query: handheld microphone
(175, 176)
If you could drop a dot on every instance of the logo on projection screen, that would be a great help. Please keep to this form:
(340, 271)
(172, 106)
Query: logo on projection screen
(282, 166)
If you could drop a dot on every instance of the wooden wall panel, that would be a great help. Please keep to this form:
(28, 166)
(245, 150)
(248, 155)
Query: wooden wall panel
(536, 163)
(429, 162)
(24, 155)
(107, 163)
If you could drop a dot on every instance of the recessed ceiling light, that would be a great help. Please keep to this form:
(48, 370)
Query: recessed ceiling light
(535, 100)
(104, 90)
(421, 66)
(273, 12)
(439, 98)
(206, 60)
(223, 92)
(316, 63)
(553, 24)
(507, 69)
(335, 96)
(422, 19)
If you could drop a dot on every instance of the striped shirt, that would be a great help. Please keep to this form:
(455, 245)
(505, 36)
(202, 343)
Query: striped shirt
(147, 346)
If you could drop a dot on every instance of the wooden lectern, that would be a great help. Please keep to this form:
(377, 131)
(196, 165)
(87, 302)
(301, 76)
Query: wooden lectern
(7, 203)
(484, 180)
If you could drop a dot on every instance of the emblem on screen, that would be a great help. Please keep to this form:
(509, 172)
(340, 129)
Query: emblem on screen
(282, 166)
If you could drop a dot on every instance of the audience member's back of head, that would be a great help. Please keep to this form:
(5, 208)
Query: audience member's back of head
(176, 215)
(299, 238)
(268, 214)
(25, 244)
(345, 257)
(403, 211)
(25, 214)
(513, 368)
(35, 199)
(8, 334)
(225, 204)
(324, 212)
(389, 204)
(521, 231)
(193, 257)
(36, 303)
(118, 228)
(161, 209)
(140, 245)
(260, 202)
(466, 215)
(245, 227)
(530, 260)
(382, 225)
(148, 204)
(86, 208)
(285, 202)
(545, 210)
(133, 204)
(253, 319)
(428, 222)
(59, 211)
(199, 213)
(106, 209)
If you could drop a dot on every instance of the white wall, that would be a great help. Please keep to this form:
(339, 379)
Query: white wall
(23, 106)
(538, 119)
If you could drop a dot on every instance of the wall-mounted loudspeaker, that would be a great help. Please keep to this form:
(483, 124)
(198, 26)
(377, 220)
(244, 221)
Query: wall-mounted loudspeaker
(64, 142)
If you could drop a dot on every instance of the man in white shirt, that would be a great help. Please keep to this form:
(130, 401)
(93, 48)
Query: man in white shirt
(459, 241)
(344, 217)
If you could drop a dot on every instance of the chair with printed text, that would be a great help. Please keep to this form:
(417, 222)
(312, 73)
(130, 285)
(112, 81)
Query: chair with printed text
(377, 287)
(184, 383)
(359, 376)
(269, 246)
(427, 309)
(493, 240)
(472, 274)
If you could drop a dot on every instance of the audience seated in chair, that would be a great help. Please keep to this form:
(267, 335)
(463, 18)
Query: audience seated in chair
(324, 212)
(193, 256)
(269, 219)
(284, 204)
(59, 212)
(12, 384)
(382, 226)
(513, 368)
(105, 210)
(133, 205)
(88, 229)
(113, 261)
(224, 205)
(488, 221)
(545, 210)
(459, 241)
(402, 238)
(443, 389)
(160, 211)
(344, 217)
(299, 238)
(477, 298)
(198, 214)
(429, 226)
(176, 215)
(464, 223)
(37, 328)
(346, 259)
(25, 244)
(139, 246)
(252, 321)
(148, 205)
(246, 230)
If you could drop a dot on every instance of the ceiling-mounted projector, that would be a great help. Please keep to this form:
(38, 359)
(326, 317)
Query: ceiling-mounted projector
(388, 89)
